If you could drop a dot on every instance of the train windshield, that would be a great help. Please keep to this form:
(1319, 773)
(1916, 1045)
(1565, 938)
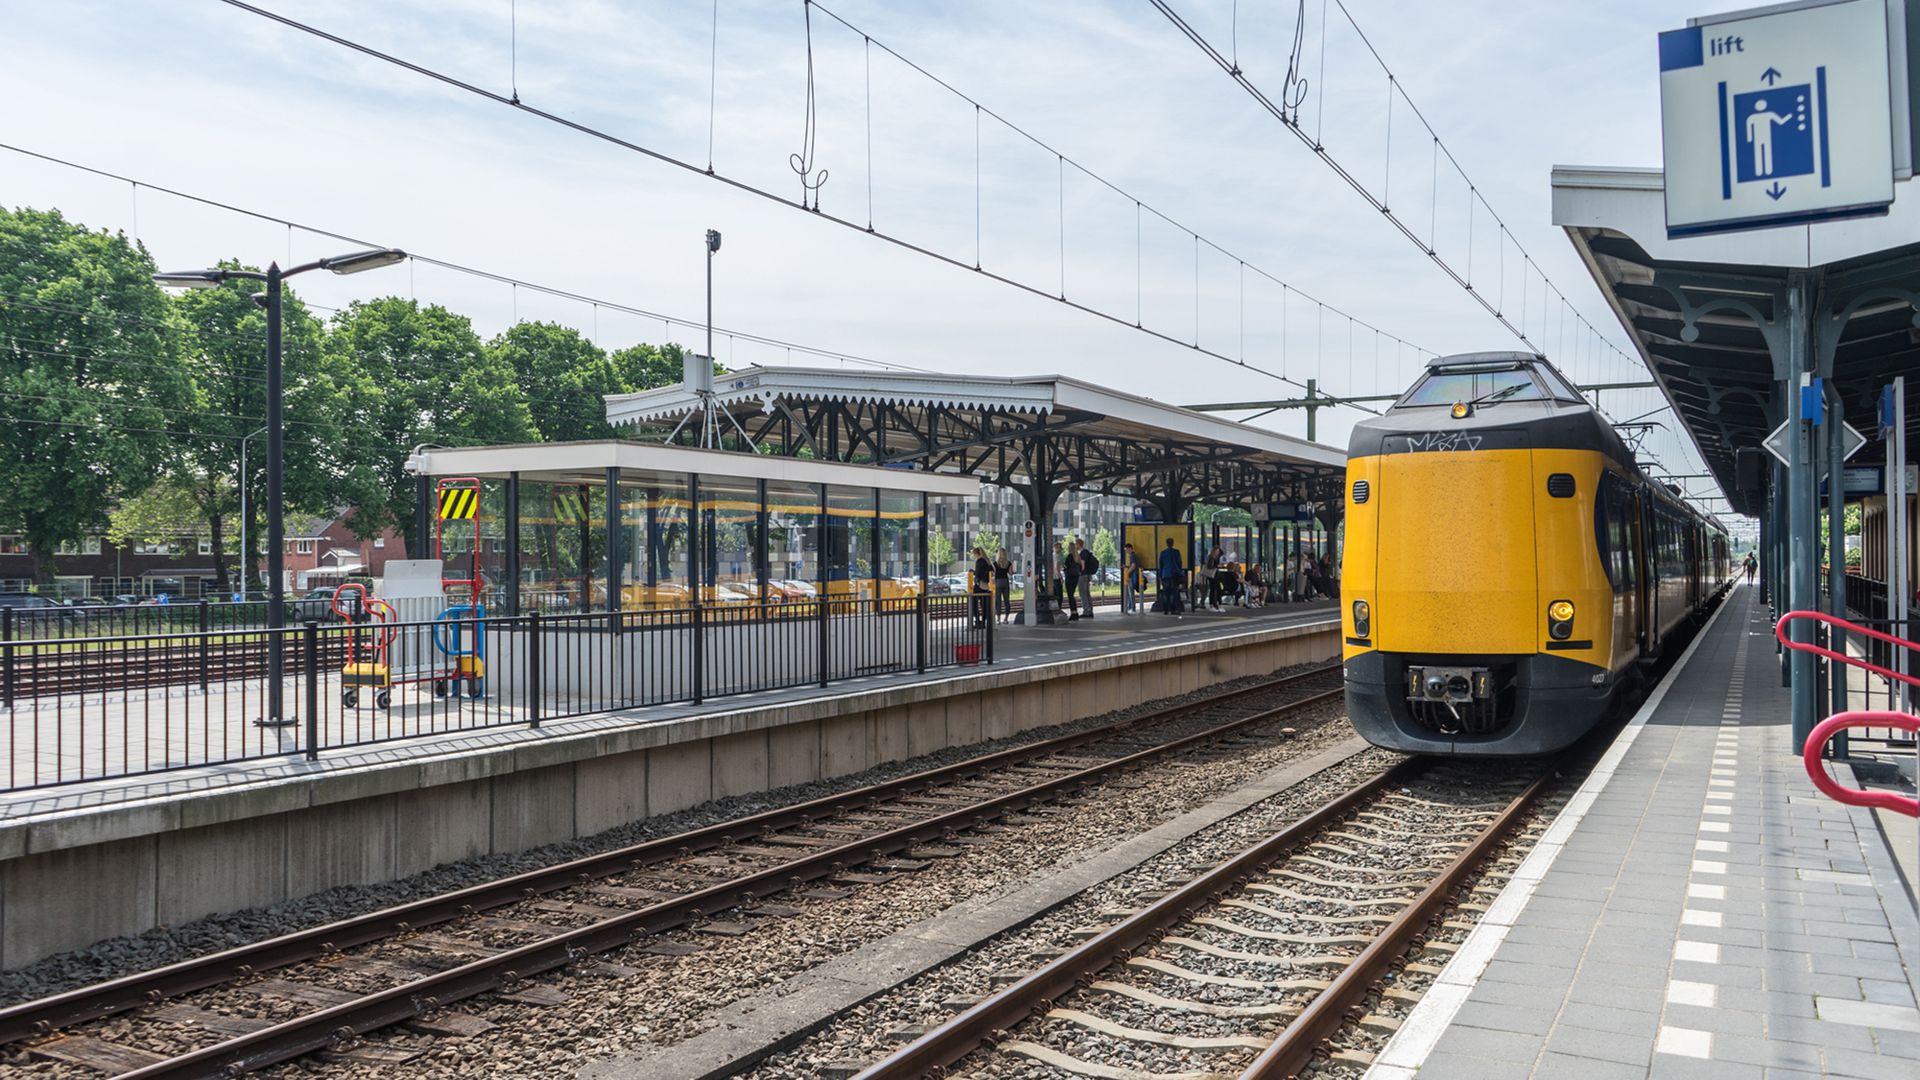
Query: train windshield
(1445, 387)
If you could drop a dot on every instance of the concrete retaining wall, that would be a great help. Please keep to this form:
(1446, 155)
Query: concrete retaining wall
(68, 881)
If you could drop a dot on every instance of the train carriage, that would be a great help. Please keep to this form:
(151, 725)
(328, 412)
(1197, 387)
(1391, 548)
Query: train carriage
(1508, 568)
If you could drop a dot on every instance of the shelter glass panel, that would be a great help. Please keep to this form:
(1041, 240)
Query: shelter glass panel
(850, 540)
(655, 540)
(730, 539)
(902, 522)
(562, 538)
(793, 539)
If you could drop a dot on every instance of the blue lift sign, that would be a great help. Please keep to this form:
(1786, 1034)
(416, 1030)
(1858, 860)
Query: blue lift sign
(1779, 118)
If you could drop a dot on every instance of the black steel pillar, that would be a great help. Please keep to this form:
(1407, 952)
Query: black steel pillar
(511, 587)
(615, 548)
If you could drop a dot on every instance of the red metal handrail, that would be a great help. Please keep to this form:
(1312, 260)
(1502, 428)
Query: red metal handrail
(1813, 756)
(1816, 768)
(1780, 634)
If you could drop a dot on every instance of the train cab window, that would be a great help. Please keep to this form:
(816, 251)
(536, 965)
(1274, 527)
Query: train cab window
(1558, 387)
(1445, 387)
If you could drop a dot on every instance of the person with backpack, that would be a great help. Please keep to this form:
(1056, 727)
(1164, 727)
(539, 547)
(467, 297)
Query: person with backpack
(1169, 581)
(982, 588)
(1089, 570)
(1070, 575)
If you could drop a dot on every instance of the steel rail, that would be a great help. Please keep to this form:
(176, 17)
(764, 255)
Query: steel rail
(423, 995)
(1327, 1012)
(1036, 993)
(965, 1033)
(46, 1015)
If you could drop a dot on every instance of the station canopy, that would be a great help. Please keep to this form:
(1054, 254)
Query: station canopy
(1709, 313)
(1040, 435)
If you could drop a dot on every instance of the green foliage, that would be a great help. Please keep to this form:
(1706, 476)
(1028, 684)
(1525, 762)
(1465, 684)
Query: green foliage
(565, 378)
(1206, 515)
(89, 371)
(159, 514)
(1105, 548)
(939, 551)
(985, 541)
(414, 375)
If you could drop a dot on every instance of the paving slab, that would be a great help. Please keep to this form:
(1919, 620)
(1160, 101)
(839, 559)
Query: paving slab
(1698, 910)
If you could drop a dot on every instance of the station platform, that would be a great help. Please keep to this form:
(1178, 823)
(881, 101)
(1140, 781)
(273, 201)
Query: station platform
(166, 848)
(1697, 910)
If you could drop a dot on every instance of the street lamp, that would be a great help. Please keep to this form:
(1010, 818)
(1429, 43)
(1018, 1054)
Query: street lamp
(350, 263)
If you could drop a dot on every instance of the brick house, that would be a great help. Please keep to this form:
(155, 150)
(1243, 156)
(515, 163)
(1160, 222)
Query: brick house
(95, 566)
(324, 551)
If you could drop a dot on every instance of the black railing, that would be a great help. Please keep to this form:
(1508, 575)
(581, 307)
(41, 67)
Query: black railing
(88, 707)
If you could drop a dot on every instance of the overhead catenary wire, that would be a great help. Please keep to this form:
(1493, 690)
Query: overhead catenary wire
(815, 209)
(471, 271)
(1288, 111)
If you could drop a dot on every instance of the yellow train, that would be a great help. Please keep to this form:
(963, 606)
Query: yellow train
(1508, 569)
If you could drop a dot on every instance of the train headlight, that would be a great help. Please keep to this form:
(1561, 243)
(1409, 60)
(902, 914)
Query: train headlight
(1362, 619)
(1461, 410)
(1560, 620)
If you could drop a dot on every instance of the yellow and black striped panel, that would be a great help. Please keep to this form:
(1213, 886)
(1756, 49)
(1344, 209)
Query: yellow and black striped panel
(459, 504)
(569, 507)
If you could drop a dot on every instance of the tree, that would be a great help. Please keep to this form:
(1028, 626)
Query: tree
(226, 342)
(163, 513)
(412, 375)
(939, 550)
(987, 542)
(1207, 515)
(1105, 549)
(565, 376)
(93, 393)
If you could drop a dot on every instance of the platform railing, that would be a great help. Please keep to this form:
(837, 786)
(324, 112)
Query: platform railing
(1869, 720)
(84, 708)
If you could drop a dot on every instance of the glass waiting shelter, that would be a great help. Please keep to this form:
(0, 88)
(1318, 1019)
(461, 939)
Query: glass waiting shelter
(622, 573)
(626, 526)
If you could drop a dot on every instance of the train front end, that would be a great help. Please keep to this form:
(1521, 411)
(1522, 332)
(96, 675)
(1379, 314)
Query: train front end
(1477, 615)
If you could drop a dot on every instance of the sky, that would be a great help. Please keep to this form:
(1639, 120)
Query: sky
(1112, 104)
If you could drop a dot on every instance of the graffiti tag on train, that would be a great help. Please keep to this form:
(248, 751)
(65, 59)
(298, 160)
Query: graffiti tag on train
(1443, 440)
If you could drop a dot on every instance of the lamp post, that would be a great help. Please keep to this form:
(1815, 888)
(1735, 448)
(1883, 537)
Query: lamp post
(351, 263)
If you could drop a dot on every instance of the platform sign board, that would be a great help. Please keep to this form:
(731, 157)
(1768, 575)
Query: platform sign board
(1781, 116)
(1776, 442)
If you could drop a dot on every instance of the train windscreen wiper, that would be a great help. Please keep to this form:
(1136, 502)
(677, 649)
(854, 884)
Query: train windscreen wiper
(1500, 394)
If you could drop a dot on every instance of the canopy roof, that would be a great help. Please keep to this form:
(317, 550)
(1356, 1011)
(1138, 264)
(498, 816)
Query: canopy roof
(1013, 431)
(1703, 311)
(587, 463)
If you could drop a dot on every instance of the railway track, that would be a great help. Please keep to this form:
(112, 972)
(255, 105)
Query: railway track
(39, 671)
(277, 999)
(1250, 968)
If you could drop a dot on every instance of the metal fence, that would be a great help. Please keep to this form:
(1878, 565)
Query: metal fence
(90, 707)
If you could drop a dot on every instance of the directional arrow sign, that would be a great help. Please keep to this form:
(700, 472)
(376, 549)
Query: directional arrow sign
(1776, 443)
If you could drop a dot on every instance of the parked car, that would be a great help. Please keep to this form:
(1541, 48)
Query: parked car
(32, 609)
(129, 600)
(938, 587)
(316, 606)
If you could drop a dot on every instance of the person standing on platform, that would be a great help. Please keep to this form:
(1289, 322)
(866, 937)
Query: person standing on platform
(1089, 569)
(1058, 577)
(1170, 580)
(1130, 579)
(1003, 583)
(982, 585)
(1070, 571)
(1752, 565)
(1214, 560)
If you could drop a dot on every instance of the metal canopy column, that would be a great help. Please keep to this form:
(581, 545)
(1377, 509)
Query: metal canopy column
(1802, 592)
